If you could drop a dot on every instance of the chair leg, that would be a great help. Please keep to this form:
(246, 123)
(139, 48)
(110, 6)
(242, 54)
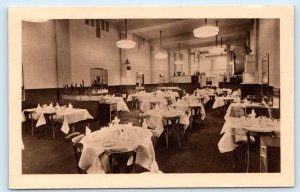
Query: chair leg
(248, 157)
(167, 138)
(234, 158)
(53, 131)
(32, 128)
(178, 137)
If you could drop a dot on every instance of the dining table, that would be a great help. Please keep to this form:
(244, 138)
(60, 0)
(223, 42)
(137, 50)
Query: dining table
(221, 101)
(149, 103)
(117, 138)
(239, 107)
(155, 118)
(139, 96)
(242, 125)
(207, 94)
(187, 106)
(121, 105)
(66, 115)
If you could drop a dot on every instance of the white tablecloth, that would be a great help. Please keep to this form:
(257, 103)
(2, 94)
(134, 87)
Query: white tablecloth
(206, 93)
(186, 107)
(234, 128)
(235, 108)
(194, 98)
(155, 120)
(96, 143)
(146, 103)
(68, 115)
(121, 105)
(139, 96)
(220, 101)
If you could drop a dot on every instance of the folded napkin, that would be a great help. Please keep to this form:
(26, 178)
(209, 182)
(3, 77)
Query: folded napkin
(39, 106)
(51, 105)
(57, 106)
(65, 127)
(253, 114)
(70, 106)
(87, 130)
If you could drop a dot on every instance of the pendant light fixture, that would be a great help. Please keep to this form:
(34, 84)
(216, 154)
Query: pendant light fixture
(179, 61)
(217, 50)
(125, 43)
(162, 53)
(206, 30)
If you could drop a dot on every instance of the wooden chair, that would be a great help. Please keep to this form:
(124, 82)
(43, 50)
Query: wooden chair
(196, 120)
(29, 121)
(51, 122)
(121, 159)
(254, 146)
(171, 125)
(77, 148)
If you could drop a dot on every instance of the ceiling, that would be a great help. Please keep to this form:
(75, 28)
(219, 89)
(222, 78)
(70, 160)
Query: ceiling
(232, 31)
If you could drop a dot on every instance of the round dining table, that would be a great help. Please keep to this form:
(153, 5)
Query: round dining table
(122, 138)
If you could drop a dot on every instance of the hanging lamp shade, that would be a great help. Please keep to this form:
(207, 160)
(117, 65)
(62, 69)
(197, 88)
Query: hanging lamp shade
(125, 43)
(178, 61)
(162, 54)
(217, 50)
(206, 30)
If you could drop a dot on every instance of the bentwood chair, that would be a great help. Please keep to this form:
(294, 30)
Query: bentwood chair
(196, 120)
(29, 121)
(172, 126)
(77, 148)
(50, 121)
(253, 144)
(240, 137)
(119, 161)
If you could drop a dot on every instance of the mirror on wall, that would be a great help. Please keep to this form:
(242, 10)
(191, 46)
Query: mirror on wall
(139, 80)
(99, 77)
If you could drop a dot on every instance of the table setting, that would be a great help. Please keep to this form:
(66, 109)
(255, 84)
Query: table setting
(65, 114)
(117, 138)
(156, 115)
(242, 125)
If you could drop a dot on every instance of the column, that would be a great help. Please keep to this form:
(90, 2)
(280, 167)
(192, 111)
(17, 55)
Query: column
(151, 63)
(189, 61)
(228, 62)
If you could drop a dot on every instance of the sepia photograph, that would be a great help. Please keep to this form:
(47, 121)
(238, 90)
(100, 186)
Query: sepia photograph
(109, 93)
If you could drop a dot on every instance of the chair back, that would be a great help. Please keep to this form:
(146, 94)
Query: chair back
(195, 110)
(28, 115)
(171, 121)
(260, 111)
(77, 148)
(49, 118)
(121, 159)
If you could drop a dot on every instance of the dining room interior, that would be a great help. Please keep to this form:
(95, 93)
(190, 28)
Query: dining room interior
(168, 95)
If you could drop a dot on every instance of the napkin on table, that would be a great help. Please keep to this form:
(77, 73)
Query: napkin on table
(87, 130)
(70, 106)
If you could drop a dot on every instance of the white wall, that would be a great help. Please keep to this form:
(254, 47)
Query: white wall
(139, 60)
(87, 52)
(39, 55)
(268, 42)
